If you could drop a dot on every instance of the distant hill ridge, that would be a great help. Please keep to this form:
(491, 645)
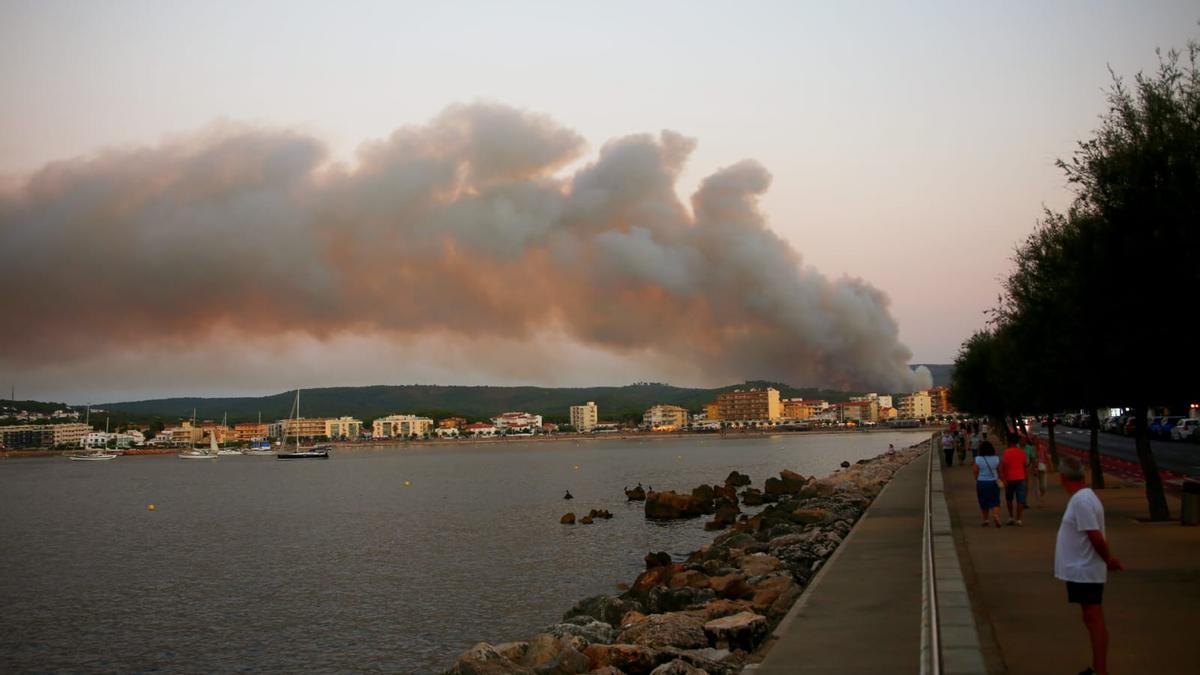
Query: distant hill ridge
(476, 402)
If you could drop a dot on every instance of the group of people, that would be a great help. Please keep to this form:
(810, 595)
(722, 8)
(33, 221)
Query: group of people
(1082, 557)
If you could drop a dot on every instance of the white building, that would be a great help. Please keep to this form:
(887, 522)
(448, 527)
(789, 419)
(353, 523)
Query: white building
(665, 417)
(517, 423)
(585, 417)
(479, 430)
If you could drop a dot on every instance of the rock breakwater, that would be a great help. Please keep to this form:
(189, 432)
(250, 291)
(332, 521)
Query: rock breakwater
(709, 612)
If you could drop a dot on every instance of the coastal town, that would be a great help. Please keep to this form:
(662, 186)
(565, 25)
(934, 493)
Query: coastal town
(753, 408)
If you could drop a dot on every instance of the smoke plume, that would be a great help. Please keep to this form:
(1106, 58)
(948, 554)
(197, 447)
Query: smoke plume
(465, 228)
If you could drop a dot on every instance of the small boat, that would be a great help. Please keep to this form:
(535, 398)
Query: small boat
(225, 452)
(96, 456)
(311, 452)
(200, 453)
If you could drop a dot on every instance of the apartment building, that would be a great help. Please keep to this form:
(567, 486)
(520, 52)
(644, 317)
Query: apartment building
(250, 431)
(401, 426)
(917, 405)
(665, 417)
(305, 427)
(749, 404)
(585, 417)
(43, 435)
(517, 422)
(802, 409)
(343, 427)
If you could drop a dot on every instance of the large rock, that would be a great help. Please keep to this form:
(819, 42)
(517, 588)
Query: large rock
(513, 651)
(631, 659)
(675, 629)
(659, 600)
(735, 479)
(569, 661)
(656, 576)
(669, 506)
(606, 608)
(659, 559)
(483, 659)
(542, 649)
(567, 519)
(774, 595)
(678, 667)
(590, 629)
(637, 494)
(738, 631)
(788, 483)
(752, 497)
(732, 586)
(708, 660)
(758, 564)
(810, 516)
(725, 607)
(692, 578)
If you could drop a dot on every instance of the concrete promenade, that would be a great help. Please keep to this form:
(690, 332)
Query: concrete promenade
(862, 613)
(1025, 622)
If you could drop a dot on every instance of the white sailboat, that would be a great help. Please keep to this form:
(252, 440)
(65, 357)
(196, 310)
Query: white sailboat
(224, 452)
(311, 452)
(201, 453)
(96, 454)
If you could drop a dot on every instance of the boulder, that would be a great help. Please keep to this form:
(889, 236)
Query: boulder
(690, 578)
(735, 479)
(660, 599)
(590, 630)
(678, 667)
(567, 519)
(669, 505)
(845, 465)
(774, 595)
(631, 618)
(708, 660)
(586, 520)
(483, 659)
(542, 649)
(725, 492)
(600, 513)
(637, 494)
(659, 559)
(569, 661)
(725, 607)
(605, 608)
(752, 497)
(655, 576)
(732, 586)
(738, 631)
(792, 481)
(513, 651)
(808, 516)
(631, 659)
(674, 629)
(758, 564)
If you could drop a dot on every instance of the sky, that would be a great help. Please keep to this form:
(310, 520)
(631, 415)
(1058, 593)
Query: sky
(897, 154)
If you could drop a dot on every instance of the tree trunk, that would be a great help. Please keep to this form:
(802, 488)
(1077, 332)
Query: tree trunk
(1155, 497)
(1094, 450)
(1050, 445)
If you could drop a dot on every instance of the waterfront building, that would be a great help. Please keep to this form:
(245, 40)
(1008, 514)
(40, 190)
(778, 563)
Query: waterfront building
(446, 432)
(712, 412)
(184, 434)
(480, 430)
(749, 404)
(585, 417)
(939, 401)
(305, 427)
(867, 408)
(343, 427)
(665, 418)
(917, 405)
(401, 426)
(517, 423)
(802, 409)
(275, 429)
(251, 431)
(452, 423)
(20, 436)
(885, 402)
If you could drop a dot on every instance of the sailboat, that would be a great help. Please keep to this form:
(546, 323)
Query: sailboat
(260, 447)
(200, 453)
(96, 454)
(227, 451)
(311, 452)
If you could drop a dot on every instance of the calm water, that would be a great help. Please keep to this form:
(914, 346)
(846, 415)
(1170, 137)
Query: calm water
(252, 564)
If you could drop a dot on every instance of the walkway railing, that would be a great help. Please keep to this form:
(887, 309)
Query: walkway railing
(931, 651)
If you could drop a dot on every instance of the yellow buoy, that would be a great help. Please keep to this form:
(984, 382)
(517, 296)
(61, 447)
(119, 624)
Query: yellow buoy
(576, 467)
(408, 483)
(150, 507)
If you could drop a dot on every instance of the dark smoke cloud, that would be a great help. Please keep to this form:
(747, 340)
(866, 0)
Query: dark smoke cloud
(464, 227)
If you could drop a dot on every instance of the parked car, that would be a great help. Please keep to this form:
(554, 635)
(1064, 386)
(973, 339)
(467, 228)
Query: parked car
(1130, 426)
(1186, 429)
(1167, 425)
(1155, 426)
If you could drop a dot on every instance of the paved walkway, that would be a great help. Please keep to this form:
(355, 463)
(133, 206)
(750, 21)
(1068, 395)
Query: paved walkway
(862, 614)
(1152, 608)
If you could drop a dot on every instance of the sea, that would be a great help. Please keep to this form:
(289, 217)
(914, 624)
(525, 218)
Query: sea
(386, 559)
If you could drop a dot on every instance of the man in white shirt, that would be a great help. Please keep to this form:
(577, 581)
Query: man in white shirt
(1082, 558)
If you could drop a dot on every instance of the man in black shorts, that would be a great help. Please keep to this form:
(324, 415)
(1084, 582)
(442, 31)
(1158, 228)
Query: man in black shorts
(1082, 558)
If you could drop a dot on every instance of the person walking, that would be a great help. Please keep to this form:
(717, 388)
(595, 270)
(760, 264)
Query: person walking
(1012, 472)
(987, 489)
(948, 447)
(960, 447)
(1082, 558)
(1032, 478)
(975, 439)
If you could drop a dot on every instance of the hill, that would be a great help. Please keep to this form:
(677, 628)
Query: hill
(942, 372)
(479, 402)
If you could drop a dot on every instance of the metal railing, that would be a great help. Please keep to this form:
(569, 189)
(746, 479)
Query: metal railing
(931, 650)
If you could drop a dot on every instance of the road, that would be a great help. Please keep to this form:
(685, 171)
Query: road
(1174, 456)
